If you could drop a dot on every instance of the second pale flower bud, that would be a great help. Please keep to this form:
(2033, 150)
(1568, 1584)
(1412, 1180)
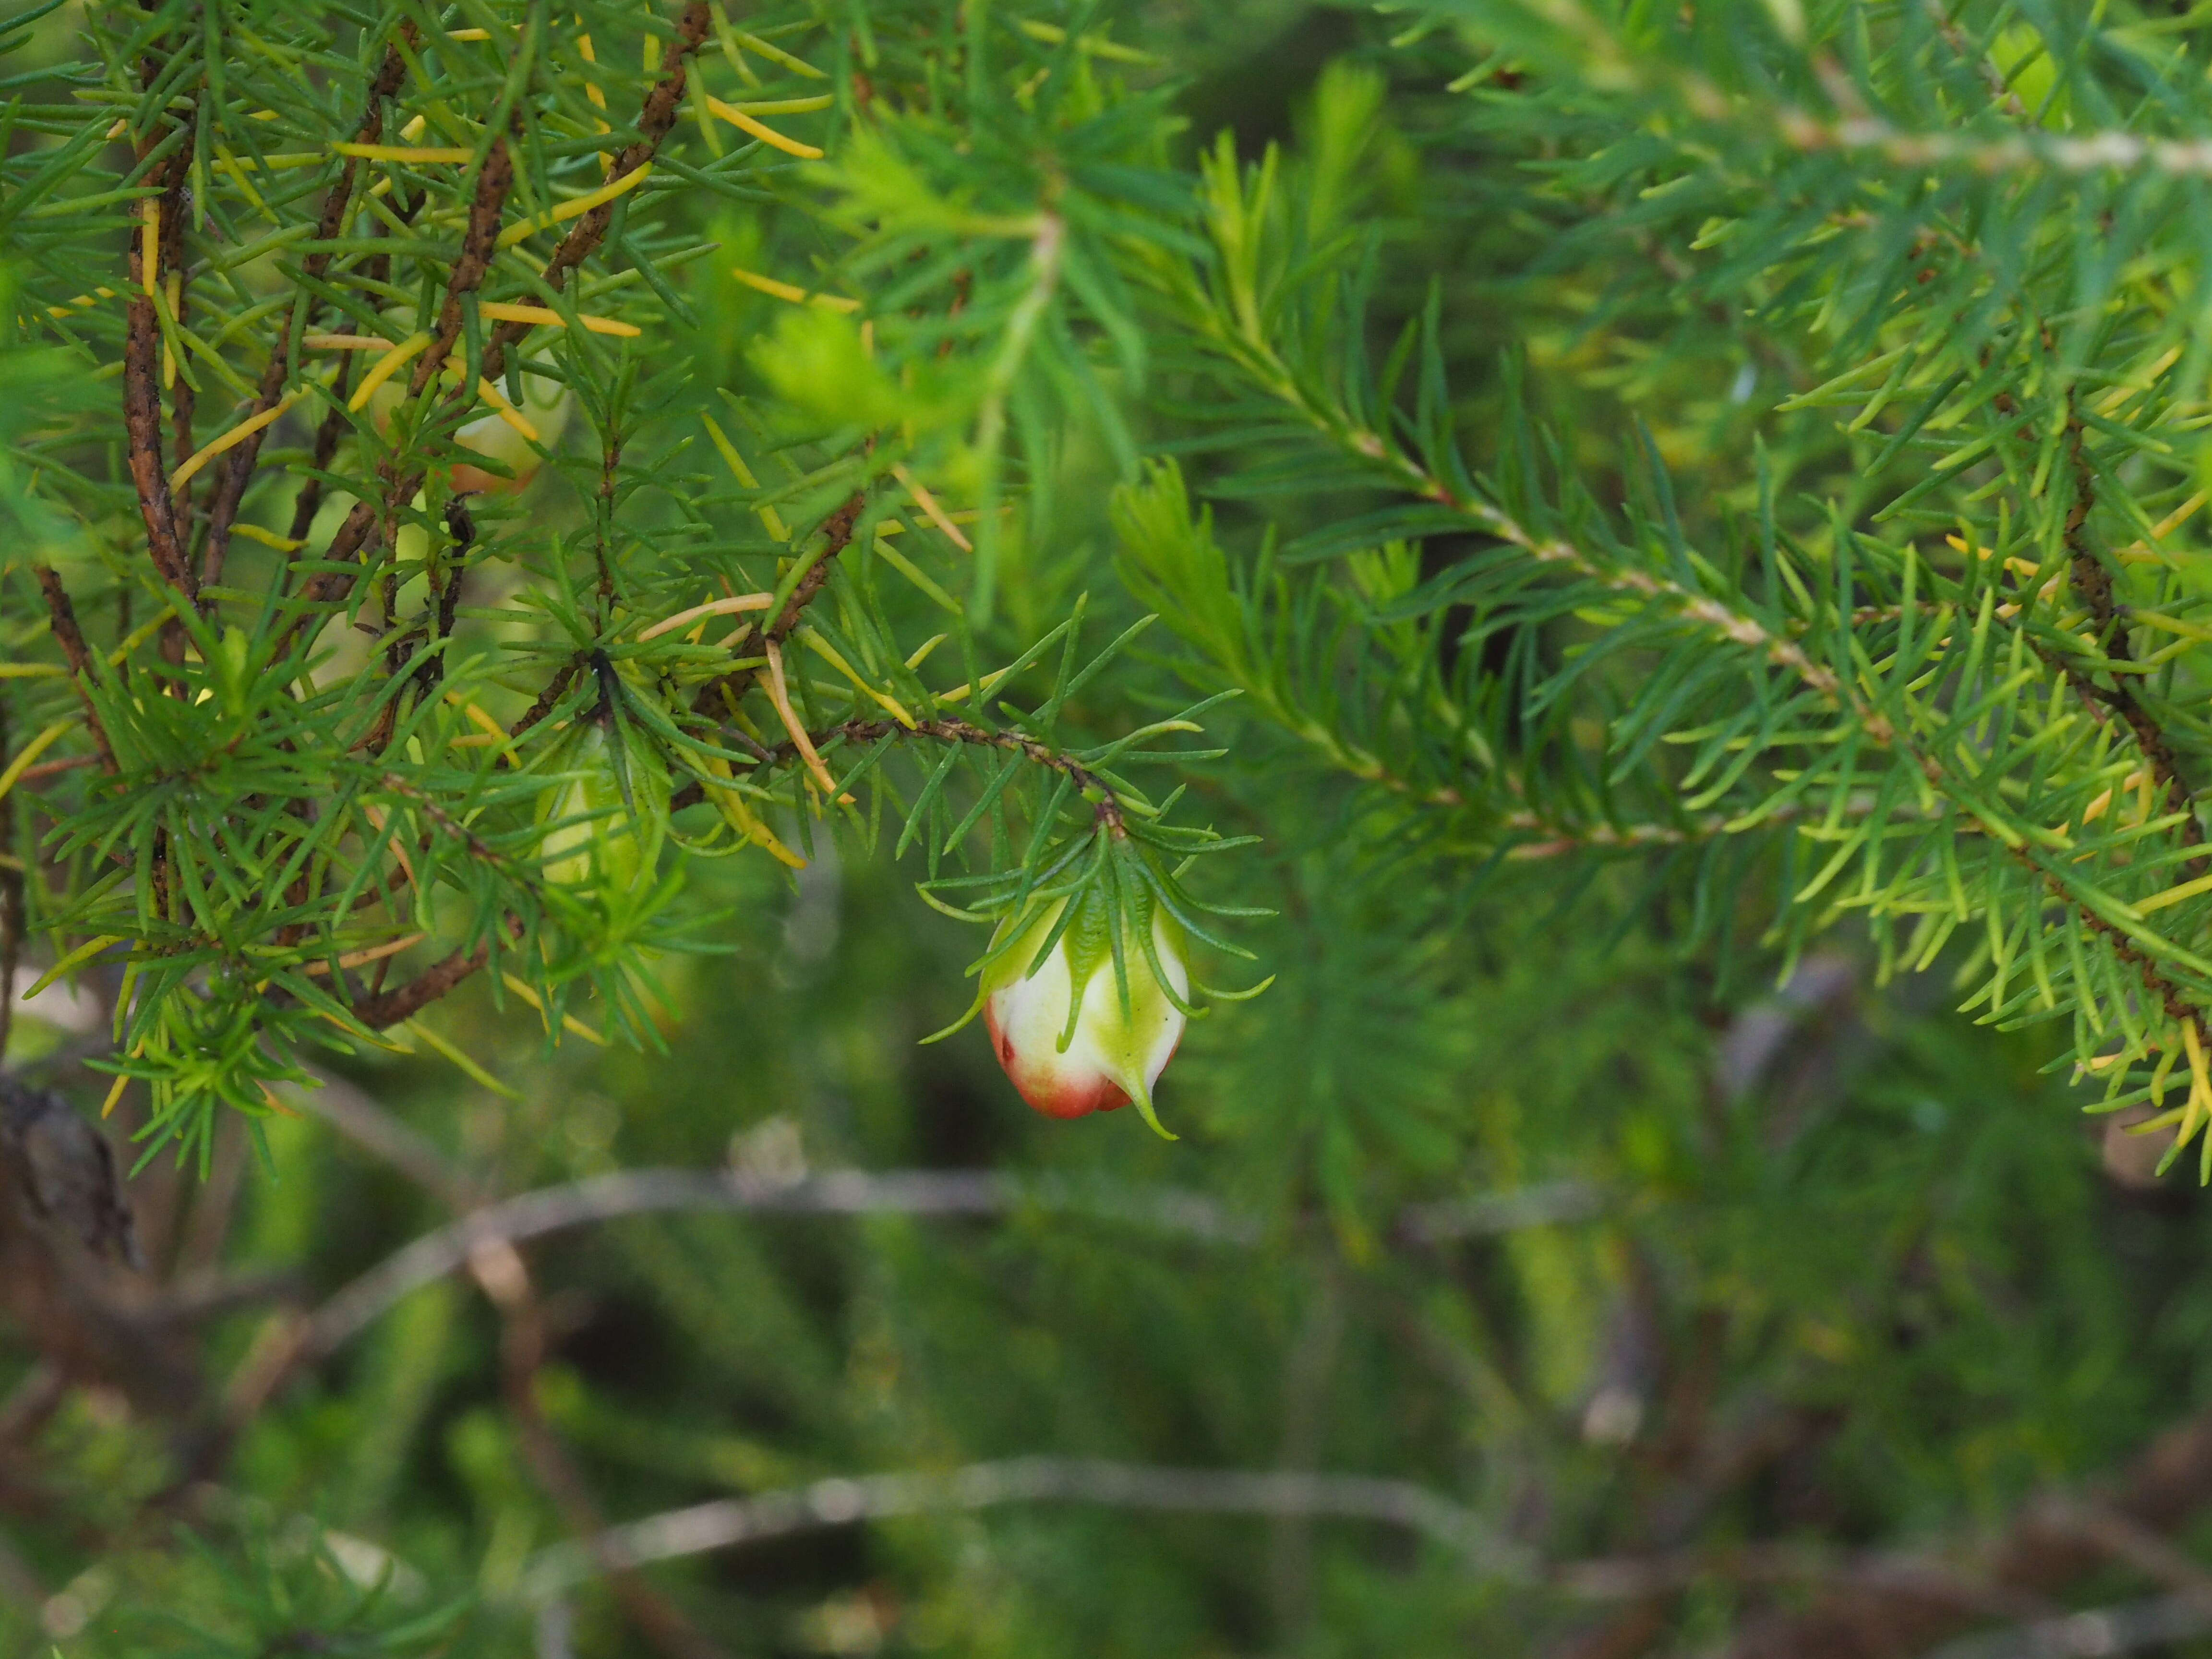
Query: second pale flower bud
(1064, 1032)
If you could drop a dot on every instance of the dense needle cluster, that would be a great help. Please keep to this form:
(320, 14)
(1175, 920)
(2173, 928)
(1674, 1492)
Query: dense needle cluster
(310, 721)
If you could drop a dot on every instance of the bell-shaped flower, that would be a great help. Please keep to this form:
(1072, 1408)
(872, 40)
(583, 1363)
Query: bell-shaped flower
(544, 409)
(1075, 1034)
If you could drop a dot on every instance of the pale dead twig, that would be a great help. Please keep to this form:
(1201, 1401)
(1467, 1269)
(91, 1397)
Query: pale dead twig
(855, 1192)
(840, 1501)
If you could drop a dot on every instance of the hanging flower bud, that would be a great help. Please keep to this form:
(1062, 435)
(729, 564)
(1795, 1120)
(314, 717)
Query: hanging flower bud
(1062, 1029)
(545, 405)
(598, 838)
(544, 409)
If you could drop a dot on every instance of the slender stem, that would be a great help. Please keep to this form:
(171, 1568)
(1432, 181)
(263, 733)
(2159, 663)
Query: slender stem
(62, 616)
(2093, 584)
(239, 465)
(426, 987)
(838, 528)
(659, 115)
(840, 1501)
(1094, 787)
(556, 688)
(141, 387)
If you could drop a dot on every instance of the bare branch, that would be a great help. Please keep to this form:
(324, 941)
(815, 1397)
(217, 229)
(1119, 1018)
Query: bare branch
(963, 732)
(239, 465)
(642, 1192)
(840, 1501)
(426, 987)
(2128, 1627)
(1498, 1213)
(62, 617)
(1171, 1210)
(658, 115)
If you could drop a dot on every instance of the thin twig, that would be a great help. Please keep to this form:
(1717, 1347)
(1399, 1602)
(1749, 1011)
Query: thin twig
(1094, 787)
(500, 1272)
(405, 1001)
(2040, 1551)
(238, 466)
(181, 397)
(2131, 1544)
(662, 106)
(843, 1502)
(2093, 584)
(354, 1115)
(659, 115)
(556, 688)
(504, 1276)
(142, 380)
(62, 616)
(838, 528)
(1168, 1210)
(478, 243)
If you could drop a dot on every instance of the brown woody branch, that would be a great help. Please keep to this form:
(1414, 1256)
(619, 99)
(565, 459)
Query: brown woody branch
(181, 397)
(62, 616)
(390, 1007)
(838, 527)
(333, 427)
(662, 106)
(478, 243)
(426, 987)
(141, 381)
(659, 116)
(556, 688)
(1093, 787)
(238, 466)
(2093, 584)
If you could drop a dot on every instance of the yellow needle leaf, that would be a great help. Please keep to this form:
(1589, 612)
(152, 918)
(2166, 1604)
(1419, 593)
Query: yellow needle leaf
(238, 434)
(504, 312)
(712, 608)
(576, 209)
(385, 367)
(743, 475)
(506, 410)
(798, 296)
(760, 129)
(404, 153)
(31, 751)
